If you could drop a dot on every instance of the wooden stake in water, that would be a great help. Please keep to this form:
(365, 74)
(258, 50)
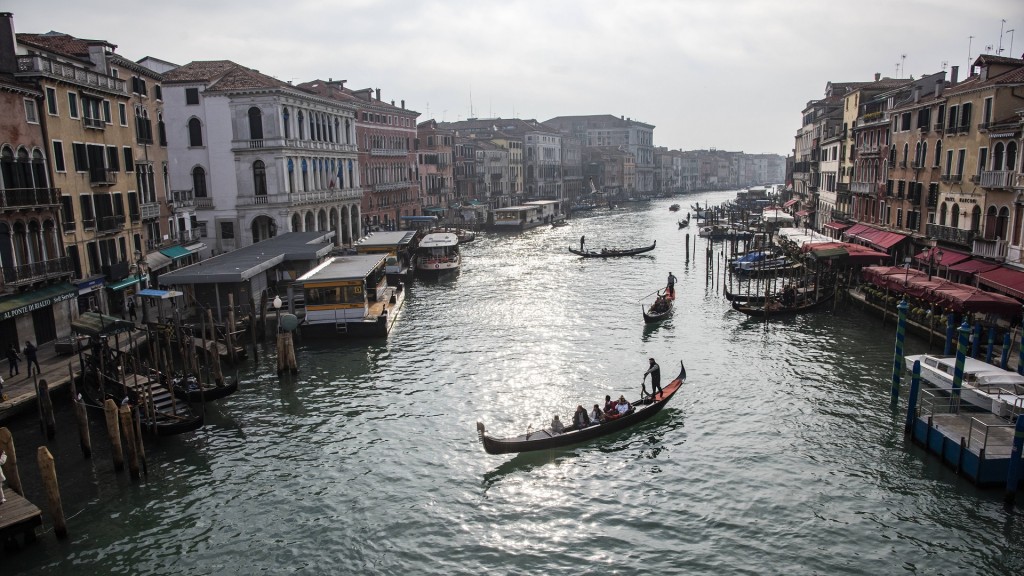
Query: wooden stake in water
(48, 472)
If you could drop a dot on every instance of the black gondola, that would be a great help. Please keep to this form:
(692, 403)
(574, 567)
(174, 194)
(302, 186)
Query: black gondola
(545, 439)
(659, 310)
(773, 307)
(612, 252)
(191, 389)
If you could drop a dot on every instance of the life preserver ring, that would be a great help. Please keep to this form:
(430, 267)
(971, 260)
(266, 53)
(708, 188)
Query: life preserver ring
(437, 265)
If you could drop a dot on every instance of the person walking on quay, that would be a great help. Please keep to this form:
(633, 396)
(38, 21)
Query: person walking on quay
(655, 372)
(131, 309)
(31, 357)
(672, 285)
(13, 358)
(3, 460)
(582, 239)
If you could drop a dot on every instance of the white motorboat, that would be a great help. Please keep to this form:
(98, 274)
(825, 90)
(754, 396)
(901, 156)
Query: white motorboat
(986, 386)
(438, 254)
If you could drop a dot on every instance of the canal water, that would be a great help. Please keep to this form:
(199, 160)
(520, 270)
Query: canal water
(781, 454)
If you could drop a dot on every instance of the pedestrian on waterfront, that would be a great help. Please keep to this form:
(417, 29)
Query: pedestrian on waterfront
(13, 358)
(131, 309)
(655, 372)
(582, 239)
(671, 285)
(31, 357)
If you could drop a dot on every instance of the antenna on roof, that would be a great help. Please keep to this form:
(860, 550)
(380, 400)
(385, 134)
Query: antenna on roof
(969, 40)
(471, 102)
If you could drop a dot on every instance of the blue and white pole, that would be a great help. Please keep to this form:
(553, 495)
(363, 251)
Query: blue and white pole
(951, 334)
(897, 361)
(958, 370)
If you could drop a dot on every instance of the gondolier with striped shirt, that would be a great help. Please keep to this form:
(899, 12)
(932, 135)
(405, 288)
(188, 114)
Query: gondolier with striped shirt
(655, 373)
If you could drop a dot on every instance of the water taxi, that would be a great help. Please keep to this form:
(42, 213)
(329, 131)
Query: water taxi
(985, 386)
(350, 296)
(438, 255)
(398, 246)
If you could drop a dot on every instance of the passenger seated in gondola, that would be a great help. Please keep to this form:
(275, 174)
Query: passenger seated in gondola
(596, 415)
(789, 295)
(580, 419)
(609, 406)
(622, 407)
(556, 425)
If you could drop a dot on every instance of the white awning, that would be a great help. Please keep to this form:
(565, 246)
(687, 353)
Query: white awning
(155, 261)
(195, 247)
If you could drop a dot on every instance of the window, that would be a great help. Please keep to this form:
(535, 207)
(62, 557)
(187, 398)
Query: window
(122, 113)
(161, 130)
(139, 86)
(949, 163)
(129, 159)
(255, 124)
(259, 177)
(81, 157)
(227, 230)
(158, 92)
(938, 152)
(982, 159)
(91, 114)
(195, 133)
(31, 114)
(67, 213)
(960, 158)
(106, 112)
(113, 160)
(72, 104)
(51, 101)
(199, 182)
(143, 127)
(58, 156)
(191, 96)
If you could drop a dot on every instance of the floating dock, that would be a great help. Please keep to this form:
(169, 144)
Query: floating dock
(18, 517)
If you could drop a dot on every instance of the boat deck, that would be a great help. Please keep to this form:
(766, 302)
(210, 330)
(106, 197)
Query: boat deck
(18, 516)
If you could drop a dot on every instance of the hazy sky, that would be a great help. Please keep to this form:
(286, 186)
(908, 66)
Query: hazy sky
(726, 74)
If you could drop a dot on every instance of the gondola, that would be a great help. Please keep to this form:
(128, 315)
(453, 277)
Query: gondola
(651, 315)
(674, 208)
(744, 298)
(612, 252)
(775, 308)
(161, 415)
(684, 223)
(545, 439)
(191, 389)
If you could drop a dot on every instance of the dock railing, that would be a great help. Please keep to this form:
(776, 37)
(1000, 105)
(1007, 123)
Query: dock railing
(981, 432)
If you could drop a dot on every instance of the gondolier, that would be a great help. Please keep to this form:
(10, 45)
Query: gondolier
(655, 372)
(582, 239)
(671, 285)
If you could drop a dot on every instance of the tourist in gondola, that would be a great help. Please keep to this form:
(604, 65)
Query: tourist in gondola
(580, 419)
(655, 372)
(556, 425)
(609, 405)
(622, 407)
(671, 290)
(789, 295)
(596, 415)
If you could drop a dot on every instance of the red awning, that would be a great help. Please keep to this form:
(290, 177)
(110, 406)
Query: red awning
(1005, 280)
(972, 266)
(943, 257)
(803, 213)
(884, 240)
(790, 203)
(857, 229)
(837, 226)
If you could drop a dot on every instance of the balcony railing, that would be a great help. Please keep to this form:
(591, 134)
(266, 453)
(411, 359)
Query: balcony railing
(999, 179)
(296, 199)
(102, 177)
(261, 143)
(24, 198)
(109, 224)
(180, 199)
(994, 249)
(36, 271)
(388, 152)
(35, 64)
(951, 235)
(204, 203)
(150, 210)
(389, 186)
(94, 123)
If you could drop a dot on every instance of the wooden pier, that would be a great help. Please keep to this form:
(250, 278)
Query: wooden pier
(18, 516)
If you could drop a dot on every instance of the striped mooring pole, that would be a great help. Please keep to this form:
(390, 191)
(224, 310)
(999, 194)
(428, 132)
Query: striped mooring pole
(951, 334)
(897, 361)
(1004, 361)
(915, 385)
(1013, 472)
(958, 370)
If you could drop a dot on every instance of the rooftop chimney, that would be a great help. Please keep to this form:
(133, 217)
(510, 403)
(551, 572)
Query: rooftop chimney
(954, 73)
(938, 87)
(378, 93)
(403, 104)
(8, 59)
(917, 94)
(878, 76)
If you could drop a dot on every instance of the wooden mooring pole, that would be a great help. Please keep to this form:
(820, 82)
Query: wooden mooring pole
(124, 414)
(11, 467)
(46, 408)
(48, 472)
(114, 433)
(81, 416)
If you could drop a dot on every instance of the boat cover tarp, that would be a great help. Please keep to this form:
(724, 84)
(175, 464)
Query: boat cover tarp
(96, 324)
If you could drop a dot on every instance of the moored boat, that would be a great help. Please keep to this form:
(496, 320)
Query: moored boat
(674, 208)
(546, 438)
(349, 296)
(438, 254)
(612, 252)
(776, 307)
(983, 385)
(188, 387)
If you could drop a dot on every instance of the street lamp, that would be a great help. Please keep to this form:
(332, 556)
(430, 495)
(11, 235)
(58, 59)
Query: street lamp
(906, 276)
(277, 312)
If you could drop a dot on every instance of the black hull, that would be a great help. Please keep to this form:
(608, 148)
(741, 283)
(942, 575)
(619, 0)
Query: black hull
(744, 298)
(163, 422)
(652, 317)
(208, 393)
(613, 253)
(761, 312)
(545, 440)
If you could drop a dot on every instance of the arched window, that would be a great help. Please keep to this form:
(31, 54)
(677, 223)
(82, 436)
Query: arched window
(954, 217)
(924, 155)
(938, 153)
(259, 178)
(302, 133)
(195, 133)
(892, 155)
(917, 154)
(1011, 156)
(1002, 223)
(287, 128)
(942, 214)
(8, 176)
(990, 223)
(976, 219)
(255, 123)
(906, 153)
(199, 182)
(38, 169)
(161, 130)
(997, 156)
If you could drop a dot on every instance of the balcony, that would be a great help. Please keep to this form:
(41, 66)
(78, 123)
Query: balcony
(33, 65)
(952, 235)
(390, 186)
(150, 210)
(109, 224)
(841, 216)
(93, 123)
(868, 150)
(263, 143)
(938, 127)
(181, 199)
(866, 188)
(296, 199)
(102, 177)
(997, 179)
(993, 249)
(204, 203)
(388, 152)
(29, 198)
(38, 271)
